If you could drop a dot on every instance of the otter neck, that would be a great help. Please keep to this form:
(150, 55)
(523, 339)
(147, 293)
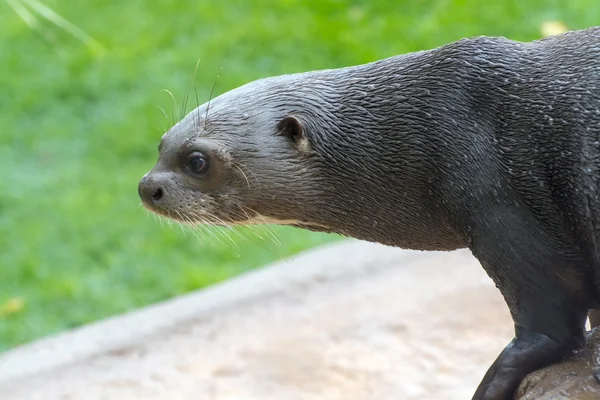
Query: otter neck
(380, 147)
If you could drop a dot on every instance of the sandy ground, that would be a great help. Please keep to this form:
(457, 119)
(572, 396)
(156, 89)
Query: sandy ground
(347, 321)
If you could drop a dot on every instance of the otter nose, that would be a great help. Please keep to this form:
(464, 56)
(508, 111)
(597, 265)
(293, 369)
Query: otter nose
(149, 190)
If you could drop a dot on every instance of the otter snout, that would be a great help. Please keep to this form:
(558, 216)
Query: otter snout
(150, 190)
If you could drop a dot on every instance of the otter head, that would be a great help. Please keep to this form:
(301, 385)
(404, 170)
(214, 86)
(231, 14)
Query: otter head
(243, 158)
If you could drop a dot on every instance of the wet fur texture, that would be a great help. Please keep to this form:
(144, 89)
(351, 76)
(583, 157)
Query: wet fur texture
(484, 143)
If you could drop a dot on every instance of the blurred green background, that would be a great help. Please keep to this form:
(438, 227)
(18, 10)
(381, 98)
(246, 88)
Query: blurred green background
(80, 125)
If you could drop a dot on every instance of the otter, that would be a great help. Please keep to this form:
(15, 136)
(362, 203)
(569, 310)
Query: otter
(484, 143)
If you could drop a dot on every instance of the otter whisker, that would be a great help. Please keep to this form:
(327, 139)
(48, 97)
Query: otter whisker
(210, 226)
(183, 104)
(187, 221)
(193, 228)
(249, 219)
(249, 228)
(244, 211)
(223, 230)
(197, 234)
(268, 229)
(155, 216)
(181, 226)
(271, 232)
(242, 231)
(245, 177)
(187, 92)
(222, 227)
(201, 226)
(162, 129)
(197, 122)
(162, 110)
(174, 103)
(250, 235)
(249, 170)
(210, 99)
(160, 221)
(204, 229)
(169, 222)
(219, 231)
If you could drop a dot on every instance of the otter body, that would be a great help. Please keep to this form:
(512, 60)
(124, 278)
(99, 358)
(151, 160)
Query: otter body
(484, 143)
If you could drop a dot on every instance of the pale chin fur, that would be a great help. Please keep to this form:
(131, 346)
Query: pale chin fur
(262, 220)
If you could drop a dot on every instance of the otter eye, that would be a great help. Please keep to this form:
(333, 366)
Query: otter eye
(196, 163)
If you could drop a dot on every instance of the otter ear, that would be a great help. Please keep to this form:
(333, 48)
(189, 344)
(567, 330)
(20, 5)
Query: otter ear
(293, 129)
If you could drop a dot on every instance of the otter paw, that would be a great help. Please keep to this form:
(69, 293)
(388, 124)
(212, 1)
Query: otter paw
(501, 387)
(596, 373)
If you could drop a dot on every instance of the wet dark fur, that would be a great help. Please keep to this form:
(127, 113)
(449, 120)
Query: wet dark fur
(484, 143)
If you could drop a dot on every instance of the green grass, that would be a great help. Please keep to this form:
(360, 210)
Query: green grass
(78, 128)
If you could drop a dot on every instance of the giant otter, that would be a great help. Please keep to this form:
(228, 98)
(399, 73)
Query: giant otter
(485, 143)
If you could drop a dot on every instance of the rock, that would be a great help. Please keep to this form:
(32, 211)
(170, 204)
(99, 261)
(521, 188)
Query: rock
(351, 321)
(570, 379)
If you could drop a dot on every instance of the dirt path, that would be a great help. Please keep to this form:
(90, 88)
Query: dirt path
(348, 321)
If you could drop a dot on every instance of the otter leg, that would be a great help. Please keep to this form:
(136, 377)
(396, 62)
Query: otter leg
(545, 307)
(594, 317)
(548, 327)
(527, 352)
